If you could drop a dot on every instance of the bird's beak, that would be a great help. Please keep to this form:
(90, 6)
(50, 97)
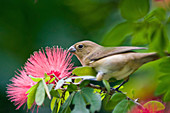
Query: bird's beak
(72, 49)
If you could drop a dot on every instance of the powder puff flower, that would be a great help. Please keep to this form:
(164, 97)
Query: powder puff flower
(21, 83)
(162, 3)
(150, 107)
(55, 62)
(151, 110)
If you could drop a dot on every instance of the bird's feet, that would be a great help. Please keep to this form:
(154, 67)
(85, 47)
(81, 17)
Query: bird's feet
(115, 89)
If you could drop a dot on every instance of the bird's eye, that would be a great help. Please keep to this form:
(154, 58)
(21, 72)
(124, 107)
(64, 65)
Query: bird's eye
(80, 46)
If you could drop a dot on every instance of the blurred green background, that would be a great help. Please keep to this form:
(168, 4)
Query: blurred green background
(28, 25)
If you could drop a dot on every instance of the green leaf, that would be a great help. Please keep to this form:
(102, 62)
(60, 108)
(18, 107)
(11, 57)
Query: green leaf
(40, 94)
(52, 80)
(53, 101)
(72, 88)
(55, 93)
(35, 79)
(165, 65)
(93, 99)
(159, 40)
(163, 88)
(46, 89)
(84, 83)
(45, 75)
(118, 34)
(67, 103)
(47, 78)
(60, 91)
(134, 9)
(56, 106)
(140, 34)
(166, 97)
(77, 80)
(80, 105)
(114, 100)
(59, 84)
(154, 106)
(105, 101)
(99, 91)
(66, 95)
(86, 97)
(123, 106)
(67, 110)
(31, 95)
(145, 30)
(159, 14)
(32, 88)
(163, 85)
(107, 85)
(84, 71)
(50, 86)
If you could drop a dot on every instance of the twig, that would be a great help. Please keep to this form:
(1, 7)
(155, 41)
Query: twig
(97, 87)
(137, 103)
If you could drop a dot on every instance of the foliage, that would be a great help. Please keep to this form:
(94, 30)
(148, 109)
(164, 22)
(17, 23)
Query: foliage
(143, 26)
(80, 96)
(77, 94)
(110, 102)
(123, 106)
(163, 88)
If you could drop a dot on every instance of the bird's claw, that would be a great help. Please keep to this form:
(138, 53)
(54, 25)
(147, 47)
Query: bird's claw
(117, 89)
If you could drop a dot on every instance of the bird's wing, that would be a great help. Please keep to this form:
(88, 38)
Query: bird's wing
(108, 51)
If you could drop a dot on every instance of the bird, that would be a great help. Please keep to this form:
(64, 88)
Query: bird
(111, 62)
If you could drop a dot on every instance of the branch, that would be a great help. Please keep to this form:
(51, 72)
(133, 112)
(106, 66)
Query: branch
(97, 87)
(113, 91)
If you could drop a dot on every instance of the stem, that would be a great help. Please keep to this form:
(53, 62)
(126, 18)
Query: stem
(46, 89)
(137, 103)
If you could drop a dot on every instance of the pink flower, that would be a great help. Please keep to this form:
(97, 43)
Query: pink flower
(137, 110)
(54, 61)
(21, 83)
(162, 3)
(156, 107)
(158, 0)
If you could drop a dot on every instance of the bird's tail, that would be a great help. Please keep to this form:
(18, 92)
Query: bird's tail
(147, 57)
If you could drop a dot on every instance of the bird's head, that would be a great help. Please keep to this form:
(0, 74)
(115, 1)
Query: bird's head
(83, 48)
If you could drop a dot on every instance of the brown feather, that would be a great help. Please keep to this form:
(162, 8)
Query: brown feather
(108, 51)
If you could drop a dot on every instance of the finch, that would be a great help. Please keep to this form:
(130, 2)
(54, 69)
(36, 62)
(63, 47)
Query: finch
(111, 62)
